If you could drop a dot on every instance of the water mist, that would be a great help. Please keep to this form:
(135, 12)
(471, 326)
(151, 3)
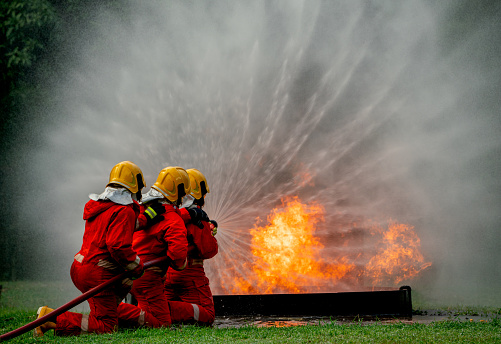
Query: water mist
(373, 109)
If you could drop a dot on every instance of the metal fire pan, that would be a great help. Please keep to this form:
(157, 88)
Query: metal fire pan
(393, 303)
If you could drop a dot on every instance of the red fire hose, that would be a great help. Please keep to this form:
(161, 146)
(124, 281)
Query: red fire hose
(72, 303)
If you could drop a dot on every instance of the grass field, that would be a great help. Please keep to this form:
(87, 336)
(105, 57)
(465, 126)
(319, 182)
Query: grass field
(19, 301)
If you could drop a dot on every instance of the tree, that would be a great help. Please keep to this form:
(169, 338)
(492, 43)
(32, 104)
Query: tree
(25, 28)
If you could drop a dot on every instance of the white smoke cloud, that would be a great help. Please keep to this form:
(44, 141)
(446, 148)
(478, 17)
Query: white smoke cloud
(367, 98)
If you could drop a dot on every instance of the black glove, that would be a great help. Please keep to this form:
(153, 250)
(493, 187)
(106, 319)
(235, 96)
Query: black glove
(197, 216)
(154, 213)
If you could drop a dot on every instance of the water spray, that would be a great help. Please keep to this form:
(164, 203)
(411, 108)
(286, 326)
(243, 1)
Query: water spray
(376, 110)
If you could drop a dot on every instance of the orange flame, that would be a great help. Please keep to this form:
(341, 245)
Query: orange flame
(398, 257)
(304, 178)
(287, 257)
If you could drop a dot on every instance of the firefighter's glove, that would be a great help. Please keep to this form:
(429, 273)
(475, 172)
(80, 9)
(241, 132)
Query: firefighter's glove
(137, 272)
(213, 227)
(154, 213)
(197, 216)
(178, 264)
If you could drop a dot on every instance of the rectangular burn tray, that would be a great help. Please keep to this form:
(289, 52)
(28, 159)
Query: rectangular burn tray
(396, 303)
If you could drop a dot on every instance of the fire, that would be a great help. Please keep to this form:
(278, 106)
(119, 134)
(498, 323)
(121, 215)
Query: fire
(287, 257)
(398, 257)
(304, 178)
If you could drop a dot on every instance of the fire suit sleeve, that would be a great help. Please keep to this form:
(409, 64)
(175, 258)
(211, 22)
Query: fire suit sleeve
(119, 237)
(185, 215)
(204, 241)
(175, 237)
(141, 222)
(141, 219)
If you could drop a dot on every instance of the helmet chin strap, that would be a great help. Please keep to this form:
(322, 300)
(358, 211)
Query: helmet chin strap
(179, 201)
(199, 201)
(137, 196)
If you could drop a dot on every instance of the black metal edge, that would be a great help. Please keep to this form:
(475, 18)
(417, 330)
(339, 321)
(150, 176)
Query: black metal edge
(395, 303)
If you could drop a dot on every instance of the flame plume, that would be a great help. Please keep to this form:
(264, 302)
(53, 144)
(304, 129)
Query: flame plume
(287, 257)
(398, 257)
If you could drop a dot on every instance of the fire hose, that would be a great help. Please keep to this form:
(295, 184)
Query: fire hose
(73, 303)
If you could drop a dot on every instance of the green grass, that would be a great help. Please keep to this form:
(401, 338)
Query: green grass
(328, 332)
(26, 295)
(19, 301)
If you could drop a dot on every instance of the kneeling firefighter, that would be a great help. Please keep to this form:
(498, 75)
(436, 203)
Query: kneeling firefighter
(188, 291)
(161, 232)
(110, 221)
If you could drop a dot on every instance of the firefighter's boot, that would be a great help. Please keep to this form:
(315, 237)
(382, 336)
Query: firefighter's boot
(40, 330)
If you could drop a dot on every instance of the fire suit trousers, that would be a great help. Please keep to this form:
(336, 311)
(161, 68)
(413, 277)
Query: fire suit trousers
(152, 309)
(103, 317)
(190, 301)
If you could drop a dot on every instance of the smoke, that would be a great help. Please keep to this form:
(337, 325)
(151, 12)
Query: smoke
(377, 110)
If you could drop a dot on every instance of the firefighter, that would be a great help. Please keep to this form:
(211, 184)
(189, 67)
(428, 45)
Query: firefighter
(110, 220)
(157, 238)
(188, 291)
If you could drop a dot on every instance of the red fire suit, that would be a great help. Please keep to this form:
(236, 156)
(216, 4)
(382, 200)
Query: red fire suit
(168, 237)
(106, 252)
(188, 291)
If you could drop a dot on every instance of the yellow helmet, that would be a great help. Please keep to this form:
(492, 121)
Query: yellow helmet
(127, 174)
(171, 182)
(199, 186)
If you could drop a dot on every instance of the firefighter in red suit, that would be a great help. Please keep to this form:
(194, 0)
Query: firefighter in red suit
(188, 291)
(158, 238)
(106, 252)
